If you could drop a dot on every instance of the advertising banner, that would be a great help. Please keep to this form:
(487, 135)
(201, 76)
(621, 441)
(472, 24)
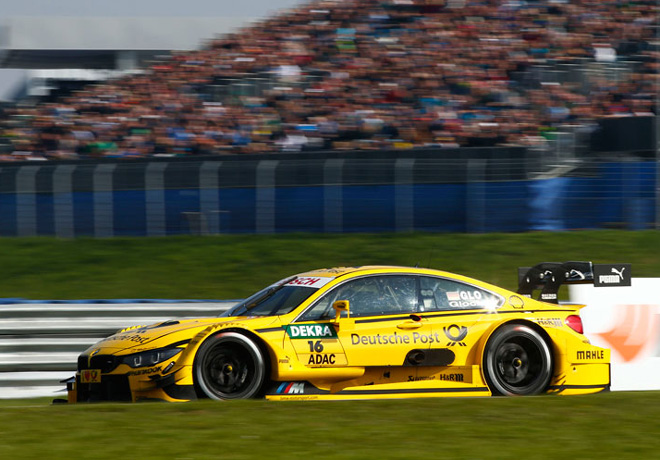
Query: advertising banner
(627, 321)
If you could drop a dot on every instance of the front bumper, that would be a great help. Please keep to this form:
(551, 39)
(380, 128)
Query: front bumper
(176, 386)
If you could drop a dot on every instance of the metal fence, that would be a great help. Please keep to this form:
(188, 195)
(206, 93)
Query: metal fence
(482, 190)
(40, 342)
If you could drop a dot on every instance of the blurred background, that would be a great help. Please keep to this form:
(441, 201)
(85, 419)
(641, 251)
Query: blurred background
(163, 118)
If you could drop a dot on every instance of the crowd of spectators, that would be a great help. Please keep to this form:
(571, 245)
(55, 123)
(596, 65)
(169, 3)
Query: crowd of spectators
(361, 74)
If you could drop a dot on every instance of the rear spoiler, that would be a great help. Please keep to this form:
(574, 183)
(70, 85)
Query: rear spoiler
(550, 276)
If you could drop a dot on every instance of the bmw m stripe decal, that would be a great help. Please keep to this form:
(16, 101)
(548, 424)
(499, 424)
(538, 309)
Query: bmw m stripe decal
(290, 387)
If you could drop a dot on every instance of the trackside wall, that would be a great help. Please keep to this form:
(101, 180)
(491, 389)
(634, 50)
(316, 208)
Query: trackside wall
(471, 190)
(40, 341)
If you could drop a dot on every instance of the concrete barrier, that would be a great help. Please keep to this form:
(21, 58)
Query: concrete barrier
(40, 342)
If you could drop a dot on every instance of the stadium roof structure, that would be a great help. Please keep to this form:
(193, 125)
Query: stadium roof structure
(40, 47)
(91, 42)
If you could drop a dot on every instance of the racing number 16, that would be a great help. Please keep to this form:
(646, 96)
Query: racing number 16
(315, 346)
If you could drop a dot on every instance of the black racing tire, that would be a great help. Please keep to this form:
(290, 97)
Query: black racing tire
(229, 365)
(517, 361)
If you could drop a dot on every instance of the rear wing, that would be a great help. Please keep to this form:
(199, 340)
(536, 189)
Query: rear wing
(550, 276)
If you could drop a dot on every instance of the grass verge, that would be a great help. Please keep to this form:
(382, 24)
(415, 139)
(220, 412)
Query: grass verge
(233, 266)
(604, 426)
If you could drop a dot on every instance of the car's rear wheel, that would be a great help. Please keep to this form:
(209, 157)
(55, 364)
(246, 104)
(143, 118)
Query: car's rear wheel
(517, 361)
(229, 365)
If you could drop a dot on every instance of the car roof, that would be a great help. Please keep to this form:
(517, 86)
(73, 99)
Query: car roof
(337, 272)
(340, 271)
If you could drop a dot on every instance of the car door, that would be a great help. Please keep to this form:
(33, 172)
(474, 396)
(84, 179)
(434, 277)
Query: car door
(381, 327)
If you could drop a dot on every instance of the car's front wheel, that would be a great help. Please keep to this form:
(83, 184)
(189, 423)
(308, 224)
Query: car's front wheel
(229, 365)
(517, 361)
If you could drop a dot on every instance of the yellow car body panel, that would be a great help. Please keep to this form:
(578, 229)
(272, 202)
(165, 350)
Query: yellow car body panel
(427, 342)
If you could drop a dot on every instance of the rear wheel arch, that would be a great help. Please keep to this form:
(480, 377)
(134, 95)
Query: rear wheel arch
(537, 328)
(530, 341)
(533, 325)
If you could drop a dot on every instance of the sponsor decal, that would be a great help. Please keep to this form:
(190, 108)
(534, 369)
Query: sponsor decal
(453, 296)
(470, 295)
(549, 296)
(610, 279)
(152, 370)
(591, 354)
(310, 331)
(516, 302)
(309, 281)
(321, 359)
(549, 322)
(291, 388)
(90, 376)
(464, 299)
(391, 339)
(451, 377)
(612, 275)
(443, 377)
(456, 334)
(414, 378)
(283, 361)
(463, 304)
(133, 337)
(425, 338)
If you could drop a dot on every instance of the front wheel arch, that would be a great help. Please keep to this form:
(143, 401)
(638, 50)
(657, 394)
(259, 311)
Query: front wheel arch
(231, 364)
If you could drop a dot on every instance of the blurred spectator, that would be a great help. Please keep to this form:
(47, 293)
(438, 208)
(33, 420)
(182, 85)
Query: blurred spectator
(362, 75)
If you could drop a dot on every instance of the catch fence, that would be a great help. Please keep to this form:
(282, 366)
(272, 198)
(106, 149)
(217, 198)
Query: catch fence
(461, 190)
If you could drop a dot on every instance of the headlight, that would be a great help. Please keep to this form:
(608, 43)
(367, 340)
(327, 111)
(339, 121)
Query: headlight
(150, 358)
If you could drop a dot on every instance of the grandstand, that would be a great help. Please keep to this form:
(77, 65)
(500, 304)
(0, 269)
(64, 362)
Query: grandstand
(364, 75)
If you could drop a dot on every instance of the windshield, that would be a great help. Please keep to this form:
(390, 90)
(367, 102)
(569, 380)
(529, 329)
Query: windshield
(278, 299)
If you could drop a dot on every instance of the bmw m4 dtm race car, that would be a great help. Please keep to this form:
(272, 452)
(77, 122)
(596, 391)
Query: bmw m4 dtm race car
(362, 333)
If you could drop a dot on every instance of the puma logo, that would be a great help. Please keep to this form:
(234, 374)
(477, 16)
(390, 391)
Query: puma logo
(620, 273)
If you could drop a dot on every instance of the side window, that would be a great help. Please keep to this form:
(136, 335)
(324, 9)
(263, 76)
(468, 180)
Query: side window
(371, 295)
(442, 294)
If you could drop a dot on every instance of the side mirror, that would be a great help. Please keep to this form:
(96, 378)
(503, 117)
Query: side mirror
(340, 306)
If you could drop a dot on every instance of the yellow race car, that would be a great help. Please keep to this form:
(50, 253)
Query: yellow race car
(360, 333)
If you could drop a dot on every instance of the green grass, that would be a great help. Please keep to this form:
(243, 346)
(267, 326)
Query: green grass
(603, 426)
(233, 266)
